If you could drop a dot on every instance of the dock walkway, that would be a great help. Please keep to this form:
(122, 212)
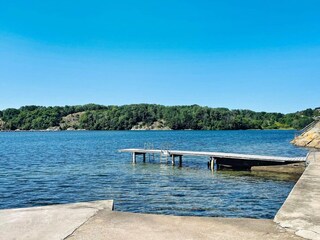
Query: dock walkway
(233, 160)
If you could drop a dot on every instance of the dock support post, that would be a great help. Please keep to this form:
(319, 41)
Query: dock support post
(173, 160)
(134, 158)
(180, 161)
(212, 164)
(144, 157)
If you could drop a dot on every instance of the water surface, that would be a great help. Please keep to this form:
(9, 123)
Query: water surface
(42, 168)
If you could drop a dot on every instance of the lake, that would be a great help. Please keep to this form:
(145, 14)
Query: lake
(44, 168)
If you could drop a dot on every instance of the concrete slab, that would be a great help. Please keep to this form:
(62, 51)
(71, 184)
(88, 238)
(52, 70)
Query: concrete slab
(122, 226)
(48, 223)
(293, 169)
(301, 210)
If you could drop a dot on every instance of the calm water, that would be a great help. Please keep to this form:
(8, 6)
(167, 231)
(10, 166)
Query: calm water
(42, 168)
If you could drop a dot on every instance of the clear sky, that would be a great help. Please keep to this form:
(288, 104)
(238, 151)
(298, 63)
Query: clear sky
(249, 54)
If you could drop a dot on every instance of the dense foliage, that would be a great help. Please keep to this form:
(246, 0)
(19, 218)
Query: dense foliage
(98, 117)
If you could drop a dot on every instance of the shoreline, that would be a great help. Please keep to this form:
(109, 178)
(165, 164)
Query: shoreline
(138, 130)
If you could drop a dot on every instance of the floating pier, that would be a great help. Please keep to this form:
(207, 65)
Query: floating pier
(216, 159)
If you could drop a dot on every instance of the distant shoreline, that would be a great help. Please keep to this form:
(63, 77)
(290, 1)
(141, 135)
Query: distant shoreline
(149, 117)
(145, 130)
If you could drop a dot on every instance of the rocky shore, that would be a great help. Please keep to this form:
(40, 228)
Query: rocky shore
(310, 138)
(50, 129)
(70, 122)
(158, 125)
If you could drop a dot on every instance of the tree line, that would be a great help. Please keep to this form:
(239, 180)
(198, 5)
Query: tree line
(99, 117)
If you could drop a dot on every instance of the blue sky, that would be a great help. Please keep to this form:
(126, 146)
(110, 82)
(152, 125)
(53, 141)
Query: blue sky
(259, 55)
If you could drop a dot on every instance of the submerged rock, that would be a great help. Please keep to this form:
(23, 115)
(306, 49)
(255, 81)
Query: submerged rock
(310, 138)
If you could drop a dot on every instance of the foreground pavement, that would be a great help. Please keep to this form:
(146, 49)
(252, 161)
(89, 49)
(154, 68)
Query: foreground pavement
(108, 225)
(48, 223)
(301, 211)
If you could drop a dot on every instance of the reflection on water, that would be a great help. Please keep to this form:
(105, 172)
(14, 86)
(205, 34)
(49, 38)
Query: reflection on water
(62, 167)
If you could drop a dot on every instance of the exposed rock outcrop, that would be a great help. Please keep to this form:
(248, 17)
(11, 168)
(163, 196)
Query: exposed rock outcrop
(158, 125)
(1, 124)
(53, 129)
(310, 138)
(71, 121)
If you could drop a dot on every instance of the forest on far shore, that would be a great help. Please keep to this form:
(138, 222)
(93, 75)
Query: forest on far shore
(127, 117)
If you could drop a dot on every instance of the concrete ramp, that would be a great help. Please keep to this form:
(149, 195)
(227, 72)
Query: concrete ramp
(301, 210)
(134, 226)
(48, 223)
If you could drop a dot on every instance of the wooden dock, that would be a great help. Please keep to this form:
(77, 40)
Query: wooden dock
(216, 159)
